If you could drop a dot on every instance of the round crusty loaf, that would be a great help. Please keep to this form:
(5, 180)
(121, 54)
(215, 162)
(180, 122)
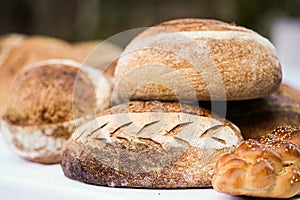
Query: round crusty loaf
(198, 59)
(149, 144)
(259, 117)
(46, 102)
(20, 52)
(20, 57)
(268, 167)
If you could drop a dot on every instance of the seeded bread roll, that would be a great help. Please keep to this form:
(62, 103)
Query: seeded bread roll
(198, 59)
(150, 145)
(267, 167)
(45, 105)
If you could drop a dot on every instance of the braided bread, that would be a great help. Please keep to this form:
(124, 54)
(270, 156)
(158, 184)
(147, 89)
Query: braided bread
(267, 167)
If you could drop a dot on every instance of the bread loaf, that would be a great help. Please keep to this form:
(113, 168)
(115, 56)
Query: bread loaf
(28, 51)
(289, 91)
(20, 52)
(99, 54)
(258, 117)
(268, 167)
(47, 102)
(149, 145)
(198, 59)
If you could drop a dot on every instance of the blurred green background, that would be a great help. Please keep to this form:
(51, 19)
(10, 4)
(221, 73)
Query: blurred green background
(76, 20)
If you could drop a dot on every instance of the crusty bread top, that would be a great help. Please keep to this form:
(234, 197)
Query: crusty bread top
(160, 130)
(44, 95)
(165, 107)
(159, 125)
(194, 59)
(193, 24)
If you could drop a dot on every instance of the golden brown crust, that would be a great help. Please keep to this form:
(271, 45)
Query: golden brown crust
(151, 157)
(198, 60)
(44, 95)
(193, 24)
(44, 108)
(268, 167)
(28, 51)
(20, 52)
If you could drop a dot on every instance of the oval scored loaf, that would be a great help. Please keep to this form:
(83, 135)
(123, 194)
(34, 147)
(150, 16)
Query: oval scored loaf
(149, 149)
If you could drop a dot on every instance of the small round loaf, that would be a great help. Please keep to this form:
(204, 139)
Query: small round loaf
(150, 145)
(46, 103)
(20, 57)
(20, 52)
(198, 59)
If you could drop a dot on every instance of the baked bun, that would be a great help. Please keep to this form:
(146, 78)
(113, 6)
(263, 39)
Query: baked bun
(198, 59)
(268, 167)
(46, 102)
(150, 145)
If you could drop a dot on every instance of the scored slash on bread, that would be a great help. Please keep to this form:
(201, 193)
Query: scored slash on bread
(159, 128)
(267, 167)
(137, 145)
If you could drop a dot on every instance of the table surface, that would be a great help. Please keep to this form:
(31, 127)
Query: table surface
(20, 179)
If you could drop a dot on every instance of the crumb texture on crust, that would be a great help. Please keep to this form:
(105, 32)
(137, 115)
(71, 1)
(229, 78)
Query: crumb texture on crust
(267, 167)
(136, 147)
